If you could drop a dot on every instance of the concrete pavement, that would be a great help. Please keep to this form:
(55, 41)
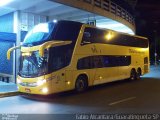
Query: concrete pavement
(8, 89)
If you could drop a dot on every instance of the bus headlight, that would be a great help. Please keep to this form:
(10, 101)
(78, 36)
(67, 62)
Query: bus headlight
(45, 90)
(41, 82)
(18, 81)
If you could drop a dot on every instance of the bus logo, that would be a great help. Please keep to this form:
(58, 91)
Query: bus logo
(94, 49)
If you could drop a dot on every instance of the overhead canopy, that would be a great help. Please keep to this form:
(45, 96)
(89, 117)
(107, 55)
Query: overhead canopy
(61, 12)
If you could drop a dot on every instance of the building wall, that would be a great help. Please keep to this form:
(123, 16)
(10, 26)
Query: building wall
(29, 20)
(8, 37)
(6, 23)
(6, 66)
(7, 40)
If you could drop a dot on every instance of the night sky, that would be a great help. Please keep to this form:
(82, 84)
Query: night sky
(147, 16)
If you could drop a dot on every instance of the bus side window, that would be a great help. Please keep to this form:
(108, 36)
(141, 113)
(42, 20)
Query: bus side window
(86, 38)
(84, 63)
(57, 58)
(98, 61)
(106, 61)
(93, 35)
(123, 60)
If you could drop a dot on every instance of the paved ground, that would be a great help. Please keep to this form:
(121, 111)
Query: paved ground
(7, 87)
(119, 97)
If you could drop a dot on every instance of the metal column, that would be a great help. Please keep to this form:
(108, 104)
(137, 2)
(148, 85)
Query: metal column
(17, 30)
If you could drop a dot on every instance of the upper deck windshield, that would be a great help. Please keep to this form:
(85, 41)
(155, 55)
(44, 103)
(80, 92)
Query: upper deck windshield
(62, 31)
(39, 34)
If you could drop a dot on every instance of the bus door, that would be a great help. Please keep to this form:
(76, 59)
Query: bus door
(57, 64)
(58, 79)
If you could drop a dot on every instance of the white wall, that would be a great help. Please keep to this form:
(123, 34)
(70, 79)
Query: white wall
(28, 20)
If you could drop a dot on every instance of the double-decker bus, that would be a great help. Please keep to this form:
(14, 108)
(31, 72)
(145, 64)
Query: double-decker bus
(69, 55)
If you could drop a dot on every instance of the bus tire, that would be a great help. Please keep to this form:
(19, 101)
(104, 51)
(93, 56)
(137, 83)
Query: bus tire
(81, 84)
(138, 75)
(133, 74)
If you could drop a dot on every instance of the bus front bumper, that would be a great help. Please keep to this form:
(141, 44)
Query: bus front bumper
(40, 90)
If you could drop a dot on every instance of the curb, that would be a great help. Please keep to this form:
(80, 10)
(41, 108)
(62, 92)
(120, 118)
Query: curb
(8, 94)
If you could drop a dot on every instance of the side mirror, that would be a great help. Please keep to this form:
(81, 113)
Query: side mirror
(51, 44)
(10, 50)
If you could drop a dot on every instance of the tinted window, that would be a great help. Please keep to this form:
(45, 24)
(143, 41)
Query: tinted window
(94, 35)
(103, 61)
(124, 60)
(62, 31)
(60, 56)
(112, 61)
(106, 61)
(85, 63)
(58, 59)
(110, 37)
(67, 30)
(97, 61)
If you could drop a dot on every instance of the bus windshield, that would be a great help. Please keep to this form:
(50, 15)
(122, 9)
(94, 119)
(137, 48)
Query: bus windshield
(33, 65)
(39, 33)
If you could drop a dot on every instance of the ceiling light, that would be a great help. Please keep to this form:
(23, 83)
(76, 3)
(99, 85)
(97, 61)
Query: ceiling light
(55, 21)
(5, 2)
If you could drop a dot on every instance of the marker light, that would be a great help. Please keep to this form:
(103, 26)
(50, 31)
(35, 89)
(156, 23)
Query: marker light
(109, 36)
(18, 81)
(45, 90)
(41, 82)
(68, 82)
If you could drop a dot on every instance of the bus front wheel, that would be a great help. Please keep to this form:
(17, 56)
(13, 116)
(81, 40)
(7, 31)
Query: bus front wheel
(81, 84)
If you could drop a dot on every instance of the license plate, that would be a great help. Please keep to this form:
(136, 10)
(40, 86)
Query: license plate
(27, 90)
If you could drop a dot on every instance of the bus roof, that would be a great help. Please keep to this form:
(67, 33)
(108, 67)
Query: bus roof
(116, 31)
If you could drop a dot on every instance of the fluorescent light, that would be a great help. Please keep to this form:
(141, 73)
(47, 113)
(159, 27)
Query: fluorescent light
(5, 2)
(55, 21)
(18, 81)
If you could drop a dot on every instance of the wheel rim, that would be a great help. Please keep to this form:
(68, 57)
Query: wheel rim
(80, 85)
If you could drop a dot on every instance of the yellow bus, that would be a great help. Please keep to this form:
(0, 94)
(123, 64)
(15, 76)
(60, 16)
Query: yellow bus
(69, 55)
